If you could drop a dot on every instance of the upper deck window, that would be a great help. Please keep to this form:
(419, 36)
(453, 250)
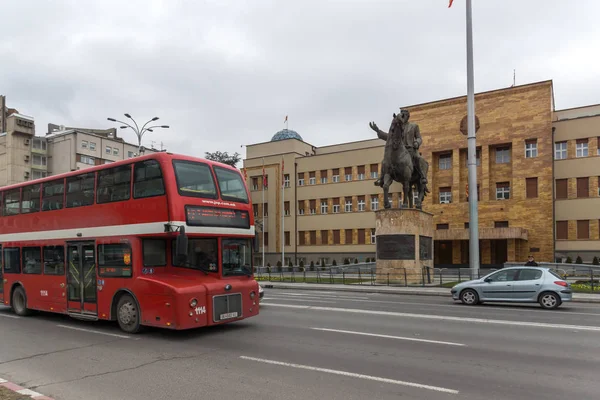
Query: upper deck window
(194, 179)
(231, 185)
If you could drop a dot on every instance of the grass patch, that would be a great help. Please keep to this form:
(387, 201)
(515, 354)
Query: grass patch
(6, 394)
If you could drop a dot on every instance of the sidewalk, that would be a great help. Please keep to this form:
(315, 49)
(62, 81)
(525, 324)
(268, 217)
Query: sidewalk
(413, 291)
(11, 391)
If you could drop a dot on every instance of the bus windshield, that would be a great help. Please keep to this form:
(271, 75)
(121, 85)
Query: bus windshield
(231, 185)
(237, 256)
(202, 255)
(194, 179)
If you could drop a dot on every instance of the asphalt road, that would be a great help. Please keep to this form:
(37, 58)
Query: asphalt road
(318, 345)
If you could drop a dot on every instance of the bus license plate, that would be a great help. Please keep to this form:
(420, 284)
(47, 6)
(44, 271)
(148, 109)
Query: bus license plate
(229, 315)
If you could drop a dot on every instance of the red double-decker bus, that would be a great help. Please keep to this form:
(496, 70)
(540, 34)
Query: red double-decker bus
(160, 240)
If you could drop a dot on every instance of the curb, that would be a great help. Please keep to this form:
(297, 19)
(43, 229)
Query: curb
(380, 290)
(23, 391)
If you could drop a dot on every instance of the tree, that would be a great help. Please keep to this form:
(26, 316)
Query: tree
(224, 157)
(569, 260)
(578, 260)
(596, 261)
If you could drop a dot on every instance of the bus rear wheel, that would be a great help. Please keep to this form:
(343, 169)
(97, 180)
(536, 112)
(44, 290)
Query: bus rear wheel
(128, 314)
(19, 302)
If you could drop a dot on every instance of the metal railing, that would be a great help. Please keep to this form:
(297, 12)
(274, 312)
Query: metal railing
(583, 277)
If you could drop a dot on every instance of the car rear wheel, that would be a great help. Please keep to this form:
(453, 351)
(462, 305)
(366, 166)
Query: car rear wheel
(549, 300)
(469, 297)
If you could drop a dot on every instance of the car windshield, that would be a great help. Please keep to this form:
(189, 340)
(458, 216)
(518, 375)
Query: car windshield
(237, 256)
(202, 255)
(194, 179)
(231, 185)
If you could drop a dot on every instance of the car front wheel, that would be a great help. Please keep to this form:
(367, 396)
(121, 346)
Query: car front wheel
(469, 297)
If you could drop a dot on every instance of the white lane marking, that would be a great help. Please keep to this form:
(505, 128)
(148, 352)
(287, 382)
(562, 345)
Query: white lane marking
(10, 316)
(280, 296)
(91, 331)
(29, 392)
(388, 336)
(3, 380)
(442, 317)
(352, 375)
(318, 295)
(303, 300)
(456, 306)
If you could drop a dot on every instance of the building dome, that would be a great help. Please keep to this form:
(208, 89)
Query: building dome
(286, 134)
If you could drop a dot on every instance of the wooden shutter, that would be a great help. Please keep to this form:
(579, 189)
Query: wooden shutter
(301, 238)
(361, 236)
(583, 229)
(336, 236)
(324, 237)
(348, 236)
(313, 237)
(562, 189)
(562, 230)
(583, 187)
(531, 187)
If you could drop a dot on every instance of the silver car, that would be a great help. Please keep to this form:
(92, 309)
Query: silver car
(516, 285)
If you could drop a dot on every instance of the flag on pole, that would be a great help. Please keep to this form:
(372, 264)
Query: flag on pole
(450, 5)
(285, 120)
(282, 173)
(264, 178)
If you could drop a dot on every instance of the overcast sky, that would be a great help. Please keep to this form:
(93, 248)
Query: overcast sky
(223, 73)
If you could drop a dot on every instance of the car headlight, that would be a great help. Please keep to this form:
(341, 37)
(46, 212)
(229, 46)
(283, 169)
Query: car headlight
(193, 303)
(252, 294)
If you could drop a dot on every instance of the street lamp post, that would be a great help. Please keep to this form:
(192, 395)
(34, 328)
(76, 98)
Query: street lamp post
(135, 127)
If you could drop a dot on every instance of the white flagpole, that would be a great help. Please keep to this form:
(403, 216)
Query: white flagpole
(472, 162)
(263, 215)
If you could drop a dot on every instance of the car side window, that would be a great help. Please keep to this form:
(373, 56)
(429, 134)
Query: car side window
(504, 276)
(530, 275)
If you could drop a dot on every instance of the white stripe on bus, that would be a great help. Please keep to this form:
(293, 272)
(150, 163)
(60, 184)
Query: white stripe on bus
(119, 230)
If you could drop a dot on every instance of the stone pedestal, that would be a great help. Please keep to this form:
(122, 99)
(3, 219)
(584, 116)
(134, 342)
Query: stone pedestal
(404, 246)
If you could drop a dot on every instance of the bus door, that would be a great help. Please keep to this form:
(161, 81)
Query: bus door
(81, 279)
(1, 278)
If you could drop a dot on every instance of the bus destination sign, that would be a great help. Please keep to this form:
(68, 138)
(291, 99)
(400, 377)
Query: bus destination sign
(217, 217)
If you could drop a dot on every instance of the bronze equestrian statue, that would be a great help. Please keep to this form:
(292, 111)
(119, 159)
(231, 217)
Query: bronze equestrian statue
(402, 161)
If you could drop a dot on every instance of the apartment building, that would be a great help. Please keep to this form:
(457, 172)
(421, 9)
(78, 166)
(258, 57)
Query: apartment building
(325, 209)
(576, 179)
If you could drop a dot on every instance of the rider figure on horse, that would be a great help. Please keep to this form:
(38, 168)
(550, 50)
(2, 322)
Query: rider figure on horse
(411, 139)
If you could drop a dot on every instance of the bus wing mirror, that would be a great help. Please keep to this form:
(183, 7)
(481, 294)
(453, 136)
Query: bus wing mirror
(181, 246)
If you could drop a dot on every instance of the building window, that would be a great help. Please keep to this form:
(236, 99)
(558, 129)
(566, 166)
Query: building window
(84, 144)
(502, 191)
(361, 203)
(301, 207)
(323, 176)
(255, 210)
(88, 160)
(348, 174)
(108, 150)
(503, 155)
(583, 229)
(93, 146)
(562, 230)
(39, 160)
(445, 195)
(582, 148)
(324, 206)
(35, 174)
(265, 209)
(374, 171)
(335, 178)
(39, 144)
(445, 161)
(130, 154)
(287, 238)
(115, 151)
(254, 183)
(583, 187)
(286, 208)
(500, 224)
(312, 179)
(562, 189)
(336, 205)
(560, 150)
(348, 205)
(442, 226)
(531, 187)
(108, 161)
(531, 148)
(374, 203)
(361, 172)
(286, 180)
(373, 236)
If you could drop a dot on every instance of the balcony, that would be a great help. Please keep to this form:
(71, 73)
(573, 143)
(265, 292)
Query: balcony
(484, 233)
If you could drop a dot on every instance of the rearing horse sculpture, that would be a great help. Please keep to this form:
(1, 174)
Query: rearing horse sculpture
(398, 162)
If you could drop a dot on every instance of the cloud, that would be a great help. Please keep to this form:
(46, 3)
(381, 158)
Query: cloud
(223, 73)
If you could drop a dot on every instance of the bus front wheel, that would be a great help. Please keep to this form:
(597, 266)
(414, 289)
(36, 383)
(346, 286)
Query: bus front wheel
(19, 302)
(128, 314)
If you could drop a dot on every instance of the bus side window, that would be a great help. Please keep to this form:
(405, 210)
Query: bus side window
(114, 184)
(80, 190)
(12, 202)
(54, 260)
(31, 199)
(148, 180)
(52, 195)
(32, 260)
(12, 260)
